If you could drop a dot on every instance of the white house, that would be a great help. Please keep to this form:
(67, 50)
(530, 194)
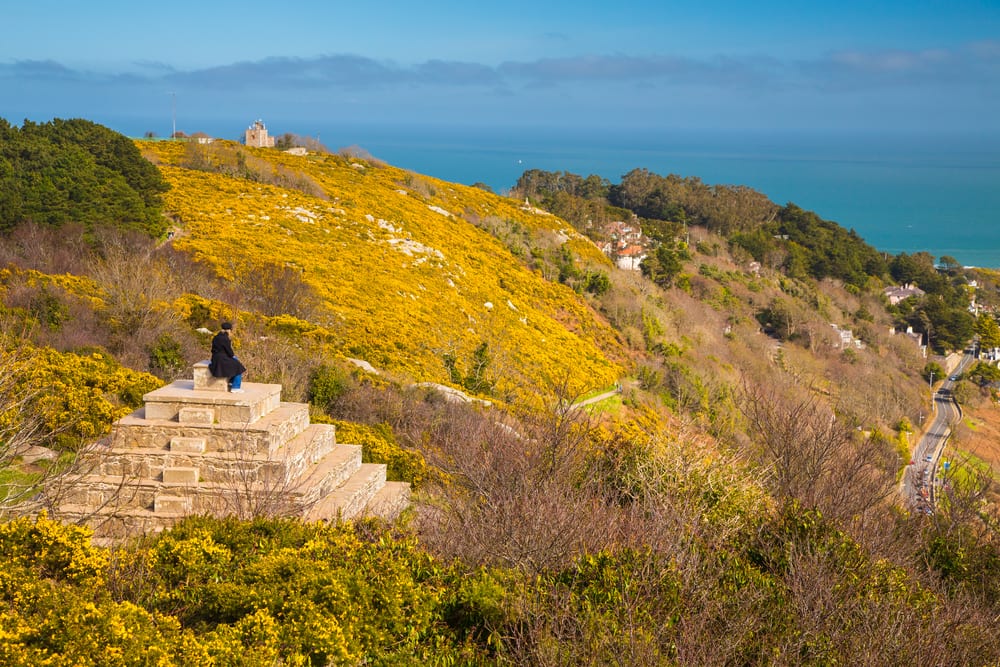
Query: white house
(630, 257)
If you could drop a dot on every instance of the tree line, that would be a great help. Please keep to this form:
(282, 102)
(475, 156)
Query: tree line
(788, 238)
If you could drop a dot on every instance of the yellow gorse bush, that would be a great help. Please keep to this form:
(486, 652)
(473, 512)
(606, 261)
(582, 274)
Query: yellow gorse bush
(52, 550)
(75, 396)
(80, 286)
(406, 276)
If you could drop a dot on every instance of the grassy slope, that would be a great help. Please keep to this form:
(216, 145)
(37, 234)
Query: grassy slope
(405, 282)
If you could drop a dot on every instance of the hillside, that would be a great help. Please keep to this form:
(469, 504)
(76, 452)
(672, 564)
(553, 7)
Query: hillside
(736, 503)
(405, 275)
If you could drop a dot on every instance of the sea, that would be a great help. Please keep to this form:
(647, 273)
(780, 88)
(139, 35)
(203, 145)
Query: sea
(936, 192)
(912, 192)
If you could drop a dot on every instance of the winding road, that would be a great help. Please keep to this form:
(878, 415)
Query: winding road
(920, 476)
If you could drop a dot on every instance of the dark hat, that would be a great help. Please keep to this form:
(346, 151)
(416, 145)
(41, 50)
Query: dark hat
(226, 326)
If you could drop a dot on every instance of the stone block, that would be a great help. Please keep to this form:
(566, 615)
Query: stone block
(184, 445)
(196, 415)
(203, 380)
(171, 505)
(160, 411)
(180, 475)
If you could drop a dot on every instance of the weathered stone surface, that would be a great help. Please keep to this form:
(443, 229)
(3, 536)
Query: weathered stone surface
(181, 444)
(349, 498)
(268, 433)
(246, 407)
(171, 505)
(196, 416)
(389, 501)
(204, 380)
(180, 475)
(34, 453)
(285, 465)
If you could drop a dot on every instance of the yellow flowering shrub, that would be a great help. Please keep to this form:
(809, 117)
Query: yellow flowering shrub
(289, 325)
(406, 277)
(52, 551)
(297, 592)
(224, 592)
(76, 396)
(80, 286)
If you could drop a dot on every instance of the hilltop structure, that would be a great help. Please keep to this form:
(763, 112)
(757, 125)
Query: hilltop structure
(256, 136)
(195, 448)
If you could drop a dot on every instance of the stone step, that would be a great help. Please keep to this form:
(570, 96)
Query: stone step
(303, 452)
(282, 496)
(252, 488)
(266, 434)
(282, 467)
(389, 501)
(287, 462)
(351, 497)
(114, 527)
(181, 401)
(182, 445)
(196, 415)
(331, 472)
(100, 493)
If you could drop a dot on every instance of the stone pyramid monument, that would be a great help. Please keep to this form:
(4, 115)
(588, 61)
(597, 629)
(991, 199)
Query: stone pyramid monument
(195, 448)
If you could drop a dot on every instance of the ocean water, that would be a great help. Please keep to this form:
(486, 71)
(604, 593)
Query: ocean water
(900, 192)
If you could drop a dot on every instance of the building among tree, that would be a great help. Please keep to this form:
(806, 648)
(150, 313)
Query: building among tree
(627, 245)
(897, 293)
(256, 136)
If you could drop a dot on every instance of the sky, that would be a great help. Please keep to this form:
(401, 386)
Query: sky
(848, 65)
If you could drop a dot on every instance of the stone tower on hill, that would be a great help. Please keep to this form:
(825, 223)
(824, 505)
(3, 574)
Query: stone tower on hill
(195, 448)
(256, 136)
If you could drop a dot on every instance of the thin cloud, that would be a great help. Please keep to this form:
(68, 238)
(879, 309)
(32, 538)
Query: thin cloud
(834, 73)
(977, 63)
(343, 70)
(456, 73)
(40, 69)
(987, 50)
(154, 67)
(346, 71)
(607, 68)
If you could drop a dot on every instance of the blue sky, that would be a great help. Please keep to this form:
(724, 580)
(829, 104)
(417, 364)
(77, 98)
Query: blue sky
(776, 65)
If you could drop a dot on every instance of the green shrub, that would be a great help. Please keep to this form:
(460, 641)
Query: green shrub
(932, 372)
(326, 385)
(166, 359)
(48, 309)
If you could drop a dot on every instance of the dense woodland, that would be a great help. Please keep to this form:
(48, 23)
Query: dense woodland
(736, 503)
(75, 171)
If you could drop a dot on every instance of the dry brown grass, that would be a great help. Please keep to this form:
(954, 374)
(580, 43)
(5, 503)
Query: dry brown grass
(981, 437)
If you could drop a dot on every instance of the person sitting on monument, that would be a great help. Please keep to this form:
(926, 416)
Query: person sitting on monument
(224, 363)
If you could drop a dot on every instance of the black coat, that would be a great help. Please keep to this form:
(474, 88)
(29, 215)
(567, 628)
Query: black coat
(224, 363)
